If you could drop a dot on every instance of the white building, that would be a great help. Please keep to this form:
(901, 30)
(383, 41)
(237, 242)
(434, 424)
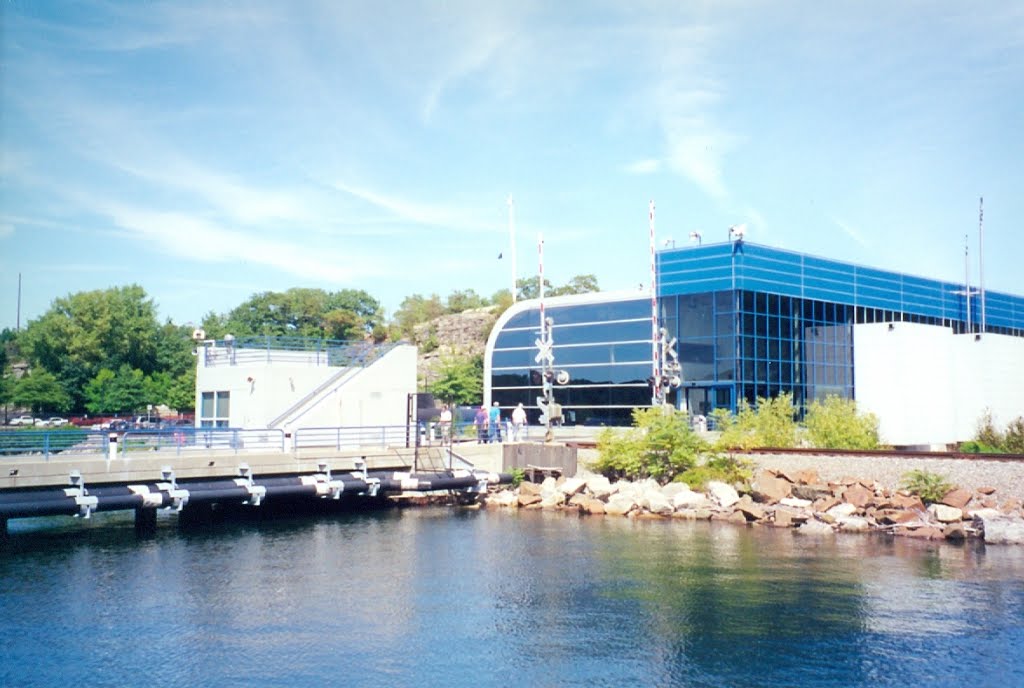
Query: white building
(289, 384)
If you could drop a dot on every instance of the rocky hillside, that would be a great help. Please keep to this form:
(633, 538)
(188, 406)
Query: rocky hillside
(458, 334)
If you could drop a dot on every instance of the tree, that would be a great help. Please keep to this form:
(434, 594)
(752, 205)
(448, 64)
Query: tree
(460, 380)
(297, 312)
(345, 325)
(528, 288)
(463, 300)
(41, 391)
(85, 332)
(772, 424)
(580, 284)
(416, 309)
(120, 392)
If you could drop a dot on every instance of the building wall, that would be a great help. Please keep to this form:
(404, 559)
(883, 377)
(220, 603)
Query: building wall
(261, 390)
(929, 386)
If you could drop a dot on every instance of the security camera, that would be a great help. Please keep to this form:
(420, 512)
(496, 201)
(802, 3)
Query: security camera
(198, 334)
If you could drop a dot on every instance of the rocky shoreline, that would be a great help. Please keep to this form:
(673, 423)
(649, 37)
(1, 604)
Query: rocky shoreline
(786, 498)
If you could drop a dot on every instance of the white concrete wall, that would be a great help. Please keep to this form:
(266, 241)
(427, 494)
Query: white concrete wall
(262, 391)
(929, 386)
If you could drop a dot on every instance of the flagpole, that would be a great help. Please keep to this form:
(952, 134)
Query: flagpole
(512, 240)
(656, 364)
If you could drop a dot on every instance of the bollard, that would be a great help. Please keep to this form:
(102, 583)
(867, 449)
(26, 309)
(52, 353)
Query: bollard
(112, 446)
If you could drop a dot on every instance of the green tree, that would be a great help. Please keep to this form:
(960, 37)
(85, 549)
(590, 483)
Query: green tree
(660, 445)
(344, 325)
(529, 288)
(835, 424)
(98, 397)
(120, 392)
(580, 284)
(414, 310)
(182, 394)
(87, 331)
(41, 391)
(460, 380)
(297, 312)
(463, 300)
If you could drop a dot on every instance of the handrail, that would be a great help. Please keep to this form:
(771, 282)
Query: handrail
(185, 439)
(352, 437)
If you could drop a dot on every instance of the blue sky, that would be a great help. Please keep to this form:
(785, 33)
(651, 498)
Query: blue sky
(211, 150)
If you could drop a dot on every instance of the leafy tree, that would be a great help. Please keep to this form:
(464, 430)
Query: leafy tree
(341, 324)
(529, 288)
(182, 394)
(460, 380)
(87, 331)
(1013, 441)
(660, 445)
(835, 424)
(297, 312)
(41, 391)
(463, 300)
(414, 310)
(580, 284)
(501, 300)
(120, 392)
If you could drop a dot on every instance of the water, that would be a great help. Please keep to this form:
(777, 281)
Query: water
(481, 598)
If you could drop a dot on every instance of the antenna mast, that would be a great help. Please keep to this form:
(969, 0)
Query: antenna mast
(981, 258)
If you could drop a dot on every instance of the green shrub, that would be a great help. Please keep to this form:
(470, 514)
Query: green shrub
(987, 432)
(726, 469)
(835, 424)
(930, 487)
(976, 447)
(1013, 441)
(772, 424)
(660, 445)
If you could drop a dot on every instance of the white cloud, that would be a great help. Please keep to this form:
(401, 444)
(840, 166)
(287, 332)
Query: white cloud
(6, 230)
(648, 166)
(421, 213)
(851, 232)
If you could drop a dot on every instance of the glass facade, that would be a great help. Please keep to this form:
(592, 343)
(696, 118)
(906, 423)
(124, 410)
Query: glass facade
(215, 409)
(604, 346)
(751, 322)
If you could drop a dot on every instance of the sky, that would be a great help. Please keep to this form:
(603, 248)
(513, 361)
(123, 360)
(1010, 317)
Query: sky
(209, 151)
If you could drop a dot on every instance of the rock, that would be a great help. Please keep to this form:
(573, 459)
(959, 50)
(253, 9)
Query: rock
(825, 503)
(528, 499)
(724, 495)
(924, 532)
(505, 498)
(954, 531)
(825, 518)
(672, 489)
(685, 514)
(985, 512)
(957, 498)
(736, 517)
(528, 488)
(579, 499)
(945, 514)
(842, 510)
(795, 502)
(572, 486)
(811, 491)
(599, 486)
(815, 527)
(783, 518)
(548, 487)
(986, 490)
(902, 500)
(592, 505)
(690, 500)
(1001, 530)
(751, 511)
(808, 476)
(769, 489)
(898, 516)
(657, 503)
(853, 524)
(619, 505)
(858, 495)
(1010, 506)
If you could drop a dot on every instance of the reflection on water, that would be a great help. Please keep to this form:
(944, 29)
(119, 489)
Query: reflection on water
(441, 597)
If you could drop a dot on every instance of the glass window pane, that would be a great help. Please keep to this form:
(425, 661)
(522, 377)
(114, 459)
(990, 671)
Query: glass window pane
(206, 410)
(223, 404)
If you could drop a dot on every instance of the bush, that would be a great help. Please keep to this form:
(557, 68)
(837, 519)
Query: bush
(726, 469)
(771, 425)
(1013, 441)
(835, 424)
(930, 487)
(976, 447)
(660, 445)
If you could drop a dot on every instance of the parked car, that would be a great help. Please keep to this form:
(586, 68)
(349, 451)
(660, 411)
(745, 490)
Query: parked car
(119, 425)
(23, 420)
(54, 422)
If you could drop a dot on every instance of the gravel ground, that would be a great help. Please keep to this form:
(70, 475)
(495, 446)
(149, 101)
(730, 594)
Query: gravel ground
(1006, 476)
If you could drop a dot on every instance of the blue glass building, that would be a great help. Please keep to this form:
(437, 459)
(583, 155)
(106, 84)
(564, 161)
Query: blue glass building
(751, 321)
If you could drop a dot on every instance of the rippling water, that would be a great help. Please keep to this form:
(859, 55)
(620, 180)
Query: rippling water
(482, 598)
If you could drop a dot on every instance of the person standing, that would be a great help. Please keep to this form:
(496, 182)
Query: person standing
(494, 418)
(446, 424)
(518, 421)
(480, 421)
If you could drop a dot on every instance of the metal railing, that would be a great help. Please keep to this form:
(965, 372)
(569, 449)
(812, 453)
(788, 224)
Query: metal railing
(355, 437)
(316, 352)
(47, 442)
(186, 439)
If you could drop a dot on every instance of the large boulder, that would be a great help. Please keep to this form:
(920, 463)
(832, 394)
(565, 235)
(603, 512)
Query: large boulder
(958, 498)
(619, 505)
(657, 503)
(572, 486)
(841, 510)
(945, 514)
(812, 492)
(858, 495)
(1001, 530)
(853, 524)
(768, 488)
(724, 495)
(599, 486)
(815, 527)
(688, 499)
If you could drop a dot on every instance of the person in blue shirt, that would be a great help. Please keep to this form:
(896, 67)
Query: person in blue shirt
(494, 419)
